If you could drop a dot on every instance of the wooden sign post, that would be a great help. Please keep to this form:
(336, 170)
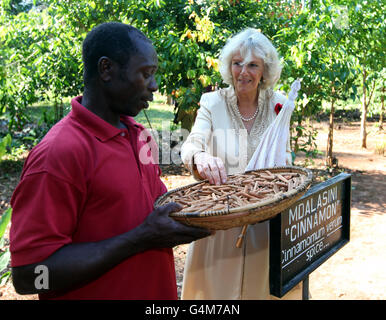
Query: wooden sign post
(308, 233)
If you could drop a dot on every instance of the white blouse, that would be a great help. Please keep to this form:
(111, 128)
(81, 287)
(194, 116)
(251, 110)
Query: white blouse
(215, 268)
(219, 130)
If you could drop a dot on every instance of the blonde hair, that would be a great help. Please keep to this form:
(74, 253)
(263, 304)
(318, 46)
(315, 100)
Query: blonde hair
(251, 41)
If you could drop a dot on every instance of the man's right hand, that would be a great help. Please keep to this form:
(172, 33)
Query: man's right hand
(164, 232)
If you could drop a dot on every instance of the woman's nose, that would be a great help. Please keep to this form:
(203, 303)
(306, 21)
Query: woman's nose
(243, 68)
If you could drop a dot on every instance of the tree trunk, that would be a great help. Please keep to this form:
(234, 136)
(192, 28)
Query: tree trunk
(298, 135)
(59, 109)
(382, 110)
(169, 100)
(364, 113)
(56, 109)
(330, 139)
(186, 118)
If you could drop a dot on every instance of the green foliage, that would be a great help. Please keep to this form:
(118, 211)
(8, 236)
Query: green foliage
(41, 60)
(4, 220)
(317, 47)
(327, 45)
(5, 255)
(366, 30)
(5, 142)
(187, 41)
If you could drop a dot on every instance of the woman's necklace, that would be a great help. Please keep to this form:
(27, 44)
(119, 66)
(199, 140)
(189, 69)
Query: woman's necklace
(247, 119)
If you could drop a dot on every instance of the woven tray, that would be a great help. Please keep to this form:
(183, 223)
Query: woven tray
(247, 213)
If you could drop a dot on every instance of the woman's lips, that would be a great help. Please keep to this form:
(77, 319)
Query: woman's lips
(244, 81)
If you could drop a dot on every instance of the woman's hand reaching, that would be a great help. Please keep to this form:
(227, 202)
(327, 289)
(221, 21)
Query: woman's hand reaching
(211, 168)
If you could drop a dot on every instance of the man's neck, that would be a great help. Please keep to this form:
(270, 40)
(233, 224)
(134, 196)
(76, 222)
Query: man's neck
(98, 105)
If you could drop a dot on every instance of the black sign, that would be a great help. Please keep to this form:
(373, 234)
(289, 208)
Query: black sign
(309, 232)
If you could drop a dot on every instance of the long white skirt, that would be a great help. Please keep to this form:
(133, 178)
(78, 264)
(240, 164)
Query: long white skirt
(215, 269)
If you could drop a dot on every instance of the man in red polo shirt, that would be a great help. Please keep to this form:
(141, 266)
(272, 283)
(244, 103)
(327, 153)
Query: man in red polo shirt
(83, 214)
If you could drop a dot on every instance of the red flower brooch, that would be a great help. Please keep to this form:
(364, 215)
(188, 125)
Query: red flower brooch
(278, 107)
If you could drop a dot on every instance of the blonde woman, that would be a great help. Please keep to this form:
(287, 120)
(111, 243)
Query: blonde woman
(227, 130)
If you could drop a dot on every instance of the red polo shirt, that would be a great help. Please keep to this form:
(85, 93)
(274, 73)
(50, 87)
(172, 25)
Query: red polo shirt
(84, 182)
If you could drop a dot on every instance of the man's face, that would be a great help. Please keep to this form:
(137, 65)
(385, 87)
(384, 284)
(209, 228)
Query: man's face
(134, 84)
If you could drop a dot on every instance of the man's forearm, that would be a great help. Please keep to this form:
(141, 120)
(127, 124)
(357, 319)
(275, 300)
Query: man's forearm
(75, 265)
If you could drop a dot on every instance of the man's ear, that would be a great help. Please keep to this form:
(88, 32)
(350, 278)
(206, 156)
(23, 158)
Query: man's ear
(105, 68)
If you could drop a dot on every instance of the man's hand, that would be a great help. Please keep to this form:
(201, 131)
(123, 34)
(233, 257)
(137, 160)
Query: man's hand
(211, 168)
(164, 232)
(76, 264)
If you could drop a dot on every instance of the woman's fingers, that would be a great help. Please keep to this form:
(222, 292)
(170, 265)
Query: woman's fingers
(212, 168)
(222, 171)
(205, 172)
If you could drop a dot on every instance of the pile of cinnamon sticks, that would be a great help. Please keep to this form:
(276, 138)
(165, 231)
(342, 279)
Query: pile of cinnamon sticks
(239, 190)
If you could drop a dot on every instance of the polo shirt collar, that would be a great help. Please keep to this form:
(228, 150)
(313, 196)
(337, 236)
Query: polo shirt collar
(96, 125)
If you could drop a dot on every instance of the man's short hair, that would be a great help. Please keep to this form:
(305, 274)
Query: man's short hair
(114, 40)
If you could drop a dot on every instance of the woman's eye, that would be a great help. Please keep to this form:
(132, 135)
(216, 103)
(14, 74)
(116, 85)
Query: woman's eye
(236, 63)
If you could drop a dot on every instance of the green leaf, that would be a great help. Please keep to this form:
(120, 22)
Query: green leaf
(4, 278)
(5, 218)
(6, 141)
(4, 259)
(191, 74)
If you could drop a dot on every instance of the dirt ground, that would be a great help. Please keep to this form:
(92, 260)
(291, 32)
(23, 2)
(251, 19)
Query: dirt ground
(356, 272)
